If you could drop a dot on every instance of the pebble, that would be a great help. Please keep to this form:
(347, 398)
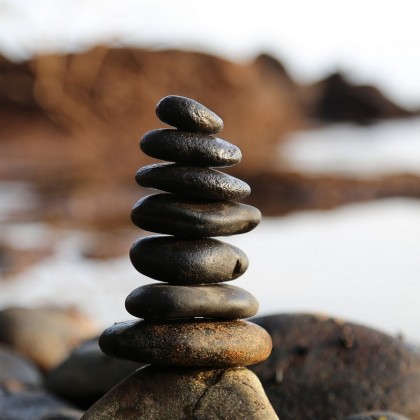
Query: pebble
(187, 343)
(180, 216)
(45, 335)
(188, 114)
(87, 374)
(187, 148)
(189, 181)
(154, 393)
(165, 301)
(187, 261)
(326, 368)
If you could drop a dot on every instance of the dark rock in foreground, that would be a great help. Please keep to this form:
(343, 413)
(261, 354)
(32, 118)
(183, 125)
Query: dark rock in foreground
(154, 393)
(324, 368)
(87, 374)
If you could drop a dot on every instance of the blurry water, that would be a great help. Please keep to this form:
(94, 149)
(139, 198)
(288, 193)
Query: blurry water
(389, 147)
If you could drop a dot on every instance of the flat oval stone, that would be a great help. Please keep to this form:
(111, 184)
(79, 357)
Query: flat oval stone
(187, 261)
(189, 148)
(189, 343)
(180, 216)
(196, 182)
(165, 301)
(187, 114)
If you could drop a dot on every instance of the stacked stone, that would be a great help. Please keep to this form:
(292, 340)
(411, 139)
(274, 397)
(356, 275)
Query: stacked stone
(191, 319)
(192, 331)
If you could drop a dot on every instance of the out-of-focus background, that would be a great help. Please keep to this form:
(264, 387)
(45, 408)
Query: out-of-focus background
(322, 97)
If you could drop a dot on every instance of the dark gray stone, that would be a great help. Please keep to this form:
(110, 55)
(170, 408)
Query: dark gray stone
(187, 343)
(325, 368)
(29, 404)
(87, 374)
(187, 148)
(187, 261)
(154, 393)
(196, 182)
(14, 368)
(187, 114)
(377, 415)
(165, 301)
(180, 216)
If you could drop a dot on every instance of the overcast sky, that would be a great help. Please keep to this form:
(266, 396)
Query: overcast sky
(371, 40)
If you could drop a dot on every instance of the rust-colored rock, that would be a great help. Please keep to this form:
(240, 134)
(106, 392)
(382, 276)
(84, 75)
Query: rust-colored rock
(187, 343)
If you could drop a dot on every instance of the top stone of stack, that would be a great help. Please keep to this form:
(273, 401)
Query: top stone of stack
(188, 115)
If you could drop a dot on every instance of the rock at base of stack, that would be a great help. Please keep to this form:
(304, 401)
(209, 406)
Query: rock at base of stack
(185, 393)
(192, 330)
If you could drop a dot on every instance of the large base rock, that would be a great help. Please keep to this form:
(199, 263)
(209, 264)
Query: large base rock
(185, 393)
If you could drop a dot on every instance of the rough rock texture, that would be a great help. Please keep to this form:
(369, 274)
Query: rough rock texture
(156, 393)
(187, 261)
(187, 343)
(189, 148)
(87, 374)
(44, 335)
(194, 182)
(179, 216)
(324, 368)
(165, 301)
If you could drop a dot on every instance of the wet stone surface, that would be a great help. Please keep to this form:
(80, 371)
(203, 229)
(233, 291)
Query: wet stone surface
(180, 216)
(187, 393)
(188, 181)
(164, 301)
(188, 114)
(187, 148)
(187, 343)
(187, 261)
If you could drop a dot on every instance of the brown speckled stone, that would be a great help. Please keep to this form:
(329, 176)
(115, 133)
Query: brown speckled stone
(190, 181)
(193, 149)
(165, 301)
(154, 393)
(180, 216)
(326, 368)
(188, 343)
(187, 261)
(188, 114)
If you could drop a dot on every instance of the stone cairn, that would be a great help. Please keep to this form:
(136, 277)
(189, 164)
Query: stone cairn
(191, 332)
